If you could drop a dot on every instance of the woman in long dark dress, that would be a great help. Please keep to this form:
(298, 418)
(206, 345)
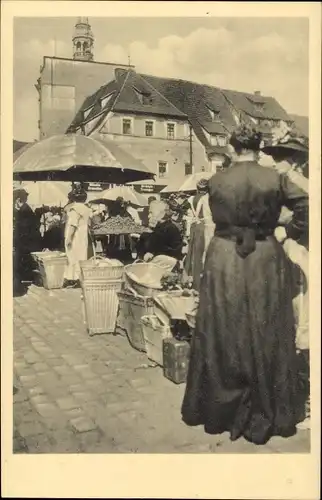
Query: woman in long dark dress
(243, 374)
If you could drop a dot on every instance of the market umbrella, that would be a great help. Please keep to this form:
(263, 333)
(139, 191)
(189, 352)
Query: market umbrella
(73, 157)
(47, 193)
(125, 192)
(188, 183)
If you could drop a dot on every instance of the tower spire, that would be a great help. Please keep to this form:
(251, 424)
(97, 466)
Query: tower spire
(83, 40)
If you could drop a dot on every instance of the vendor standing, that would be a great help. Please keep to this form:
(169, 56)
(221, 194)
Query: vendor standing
(77, 216)
(201, 232)
(165, 238)
(26, 239)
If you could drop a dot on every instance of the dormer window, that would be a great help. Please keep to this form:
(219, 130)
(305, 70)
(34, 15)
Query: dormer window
(144, 97)
(214, 113)
(87, 112)
(257, 102)
(259, 106)
(105, 100)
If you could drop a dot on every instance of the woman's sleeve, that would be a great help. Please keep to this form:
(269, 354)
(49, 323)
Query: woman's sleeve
(73, 218)
(295, 198)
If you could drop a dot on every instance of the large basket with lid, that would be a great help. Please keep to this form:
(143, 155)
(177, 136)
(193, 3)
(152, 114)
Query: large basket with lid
(50, 269)
(144, 278)
(102, 269)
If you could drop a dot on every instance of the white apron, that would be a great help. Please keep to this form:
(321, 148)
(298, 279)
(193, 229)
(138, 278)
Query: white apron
(209, 226)
(78, 216)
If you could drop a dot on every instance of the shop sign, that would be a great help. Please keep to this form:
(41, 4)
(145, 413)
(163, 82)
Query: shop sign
(147, 188)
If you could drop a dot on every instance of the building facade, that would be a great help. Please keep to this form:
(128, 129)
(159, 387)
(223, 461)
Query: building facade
(64, 83)
(175, 127)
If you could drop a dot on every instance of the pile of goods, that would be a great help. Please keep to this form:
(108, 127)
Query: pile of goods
(173, 282)
(117, 225)
(170, 282)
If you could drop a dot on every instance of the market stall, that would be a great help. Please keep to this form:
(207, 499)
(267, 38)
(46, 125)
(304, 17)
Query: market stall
(123, 225)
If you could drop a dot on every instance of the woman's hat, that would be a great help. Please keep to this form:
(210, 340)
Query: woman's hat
(291, 146)
(21, 194)
(202, 185)
(284, 139)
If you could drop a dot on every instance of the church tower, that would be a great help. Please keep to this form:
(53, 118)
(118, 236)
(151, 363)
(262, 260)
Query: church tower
(83, 40)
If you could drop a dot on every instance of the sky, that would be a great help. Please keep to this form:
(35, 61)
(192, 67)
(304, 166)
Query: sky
(245, 54)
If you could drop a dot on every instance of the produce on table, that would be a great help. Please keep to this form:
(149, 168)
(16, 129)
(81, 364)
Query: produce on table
(117, 225)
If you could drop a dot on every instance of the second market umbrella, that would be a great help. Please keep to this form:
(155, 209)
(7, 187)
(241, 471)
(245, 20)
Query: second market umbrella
(124, 192)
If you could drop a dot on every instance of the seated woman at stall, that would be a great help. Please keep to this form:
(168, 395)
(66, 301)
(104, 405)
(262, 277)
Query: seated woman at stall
(165, 238)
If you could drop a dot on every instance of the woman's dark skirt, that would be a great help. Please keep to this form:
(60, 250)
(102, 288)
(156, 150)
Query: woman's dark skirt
(243, 370)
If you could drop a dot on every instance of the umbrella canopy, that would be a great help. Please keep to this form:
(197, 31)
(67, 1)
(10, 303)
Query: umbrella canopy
(73, 157)
(187, 183)
(47, 193)
(125, 192)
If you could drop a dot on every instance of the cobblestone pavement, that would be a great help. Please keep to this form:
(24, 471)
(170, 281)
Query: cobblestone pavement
(97, 394)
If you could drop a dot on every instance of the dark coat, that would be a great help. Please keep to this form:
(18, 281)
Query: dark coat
(165, 239)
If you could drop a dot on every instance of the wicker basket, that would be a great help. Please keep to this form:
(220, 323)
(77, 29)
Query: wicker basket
(154, 332)
(101, 305)
(134, 278)
(51, 269)
(132, 308)
(101, 269)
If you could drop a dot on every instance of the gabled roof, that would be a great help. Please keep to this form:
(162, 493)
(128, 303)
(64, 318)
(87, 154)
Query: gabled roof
(94, 101)
(208, 109)
(256, 106)
(197, 101)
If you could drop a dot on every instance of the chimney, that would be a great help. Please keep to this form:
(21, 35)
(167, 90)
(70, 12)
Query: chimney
(257, 92)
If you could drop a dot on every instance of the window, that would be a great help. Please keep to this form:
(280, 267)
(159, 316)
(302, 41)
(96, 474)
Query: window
(87, 112)
(144, 97)
(170, 130)
(163, 169)
(259, 106)
(187, 169)
(149, 128)
(236, 117)
(221, 140)
(213, 140)
(127, 126)
(213, 113)
(105, 100)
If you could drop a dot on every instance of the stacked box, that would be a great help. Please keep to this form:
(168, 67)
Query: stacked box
(176, 355)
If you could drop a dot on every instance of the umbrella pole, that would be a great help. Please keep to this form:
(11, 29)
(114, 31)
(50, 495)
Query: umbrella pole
(43, 208)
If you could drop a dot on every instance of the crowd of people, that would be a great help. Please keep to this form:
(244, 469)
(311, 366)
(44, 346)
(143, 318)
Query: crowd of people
(247, 258)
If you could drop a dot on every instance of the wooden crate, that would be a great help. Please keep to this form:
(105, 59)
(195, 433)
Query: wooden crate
(131, 309)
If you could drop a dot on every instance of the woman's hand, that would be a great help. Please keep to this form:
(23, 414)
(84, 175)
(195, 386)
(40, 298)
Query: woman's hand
(280, 234)
(147, 257)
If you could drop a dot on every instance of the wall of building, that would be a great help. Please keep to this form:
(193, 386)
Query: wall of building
(64, 85)
(114, 125)
(152, 150)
